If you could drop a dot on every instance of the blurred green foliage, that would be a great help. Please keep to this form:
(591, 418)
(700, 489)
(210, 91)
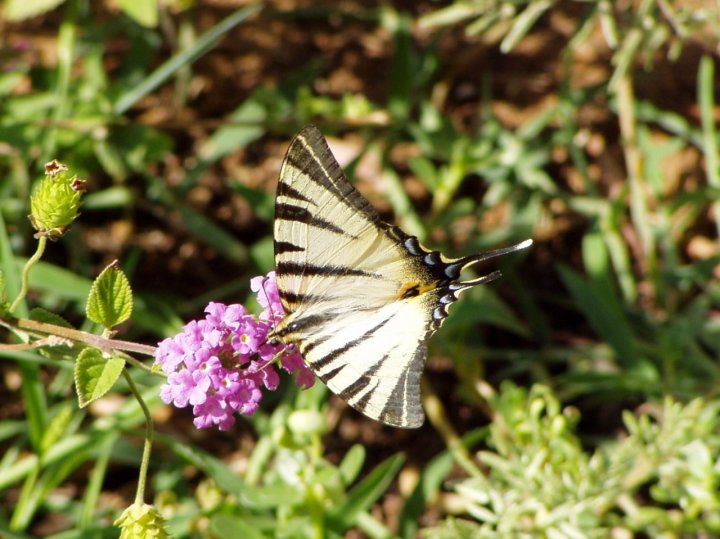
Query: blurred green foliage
(614, 314)
(541, 482)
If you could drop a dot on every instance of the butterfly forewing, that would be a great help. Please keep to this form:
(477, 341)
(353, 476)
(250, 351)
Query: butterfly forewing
(339, 272)
(329, 245)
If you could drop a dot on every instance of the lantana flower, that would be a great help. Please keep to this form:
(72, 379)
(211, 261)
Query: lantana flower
(219, 365)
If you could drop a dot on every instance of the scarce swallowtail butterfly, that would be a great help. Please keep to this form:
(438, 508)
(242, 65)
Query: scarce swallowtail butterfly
(361, 296)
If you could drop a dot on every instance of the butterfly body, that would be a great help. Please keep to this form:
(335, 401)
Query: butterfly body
(361, 296)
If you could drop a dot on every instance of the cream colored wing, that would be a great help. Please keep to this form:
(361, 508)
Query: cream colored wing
(361, 296)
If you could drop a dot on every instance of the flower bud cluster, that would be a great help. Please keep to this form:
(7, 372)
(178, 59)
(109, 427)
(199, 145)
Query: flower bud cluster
(219, 365)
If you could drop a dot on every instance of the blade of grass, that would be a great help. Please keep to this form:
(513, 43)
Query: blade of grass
(205, 42)
(432, 477)
(97, 476)
(202, 227)
(62, 283)
(360, 498)
(635, 162)
(66, 55)
(401, 67)
(213, 467)
(523, 22)
(603, 313)
(372, 527)
(706, 98)
(61, 450)
(400, 201)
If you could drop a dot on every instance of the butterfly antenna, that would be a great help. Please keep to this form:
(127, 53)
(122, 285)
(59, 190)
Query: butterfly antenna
(474, 259)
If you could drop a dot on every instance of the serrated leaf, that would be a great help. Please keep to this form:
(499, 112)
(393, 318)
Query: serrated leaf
(42, 315)
(110, 301)
(63, 350)
(95, 375)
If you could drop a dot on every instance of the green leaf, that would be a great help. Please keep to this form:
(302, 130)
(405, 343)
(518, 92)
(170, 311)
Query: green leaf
(144, 13)
(18, 10)
(10, 267)
(604, 313)
(41, 315)
(230, 526)
(56, 281)
(351, 465)
(271, 496)
(262, 202)
(403, 66)
(453, 528)
(244, 125)
(523, 23)
(208, 231)
(214, 468)
(110, 302)
(63, 351)
(4, 303)
(482, 306)
(95, 375)
(361, 498)
(433, 475)
(202, 44)
(57, 427)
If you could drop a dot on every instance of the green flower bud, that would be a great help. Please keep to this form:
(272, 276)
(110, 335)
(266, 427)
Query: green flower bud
(140, 521)
(55, 202)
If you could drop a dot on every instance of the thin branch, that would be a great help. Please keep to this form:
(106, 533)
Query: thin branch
(104, 344)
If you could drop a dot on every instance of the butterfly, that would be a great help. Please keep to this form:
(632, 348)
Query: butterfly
(361, 296)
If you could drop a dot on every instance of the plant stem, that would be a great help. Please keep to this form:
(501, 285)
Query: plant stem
(147, 446)
(436, 414)
(102, 343)
(43, 330)
(634, 161)
(706, 98)
(26, 272)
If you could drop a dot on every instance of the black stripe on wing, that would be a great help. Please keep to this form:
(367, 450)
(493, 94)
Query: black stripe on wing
(403, 408)
(304, 324)
(320, 363)
(296, 298)
(362, 381)
(302, 269)
(289, 212)
(310, 153)
(286, 190)
(282, 247)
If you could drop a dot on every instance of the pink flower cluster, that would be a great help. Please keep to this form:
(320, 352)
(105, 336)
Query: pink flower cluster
(219, 365)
